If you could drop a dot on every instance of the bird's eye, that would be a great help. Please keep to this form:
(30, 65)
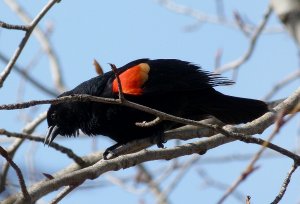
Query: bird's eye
(53, 116)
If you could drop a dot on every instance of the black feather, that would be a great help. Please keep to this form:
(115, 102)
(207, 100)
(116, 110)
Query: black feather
(173, 86)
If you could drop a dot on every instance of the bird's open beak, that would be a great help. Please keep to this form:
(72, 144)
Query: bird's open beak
(52, 133)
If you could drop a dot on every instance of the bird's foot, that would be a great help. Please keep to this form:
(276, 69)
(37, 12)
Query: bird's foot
(109, 152)
(159, 140)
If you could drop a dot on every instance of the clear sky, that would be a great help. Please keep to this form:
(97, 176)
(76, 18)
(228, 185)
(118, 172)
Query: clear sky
(120, 31)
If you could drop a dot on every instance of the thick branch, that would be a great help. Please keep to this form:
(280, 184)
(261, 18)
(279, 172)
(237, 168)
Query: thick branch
(71, 174)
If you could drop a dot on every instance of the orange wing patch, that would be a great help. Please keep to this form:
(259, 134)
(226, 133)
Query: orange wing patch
(133, 79)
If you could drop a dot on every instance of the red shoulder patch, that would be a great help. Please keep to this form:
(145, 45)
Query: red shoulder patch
(132, 79)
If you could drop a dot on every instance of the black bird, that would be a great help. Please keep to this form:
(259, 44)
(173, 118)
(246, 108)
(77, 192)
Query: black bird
(169, 85)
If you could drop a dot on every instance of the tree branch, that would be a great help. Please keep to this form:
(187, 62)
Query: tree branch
(26, 76)
(288, 79)
(44, 42)
(22, 44)
(13, 27)
(252, 43)
(25, 193)
(72, 173)
(63, 194)
(285, 183)
(28, 129)
(54, 145)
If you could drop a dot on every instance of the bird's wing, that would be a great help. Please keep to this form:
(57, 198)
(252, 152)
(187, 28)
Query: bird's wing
(147, 77)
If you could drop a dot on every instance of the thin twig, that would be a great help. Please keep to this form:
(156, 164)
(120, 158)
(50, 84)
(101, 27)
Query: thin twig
(250, 167)
(238, 158)
(4, 153)
(150, 123)
(44, 42)
(54, 145)
(285, 81)
(241, 24)
(85, 98)
(183, 170)
(202, 17)
(22, 44)
(252, 43)
(13, 27)
(26, 76)
(210, 181)
(285, 184)
(28, 129)
(80, 98)
(122, 184)
(218, 58)
(63, 193)
(120, 90)
(154, 187)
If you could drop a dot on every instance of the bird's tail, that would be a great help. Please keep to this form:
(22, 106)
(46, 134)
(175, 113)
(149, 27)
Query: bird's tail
(233, 110)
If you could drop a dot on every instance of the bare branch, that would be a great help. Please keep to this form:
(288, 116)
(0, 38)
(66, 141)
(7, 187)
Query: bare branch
(201, 17)
(92, 166)
(149, 124)
(120, 90)
(44, 42)
(237, 63)
(28, 129)
(13, 27)
(22, 44)
(229, 133)
(285, 81)
(241, 24)
(63, 178)
(238, 158)
(212, 182)
(54, 145)
(26, 76)
(80, 98)
(183, 170)
(159, 194)
(250, 167)
(102, 166)
(85, 98)
(63, 194)
(218, 57)
(285, 183)
(26, 195)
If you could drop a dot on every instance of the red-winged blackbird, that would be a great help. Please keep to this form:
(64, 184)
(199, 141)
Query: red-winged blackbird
(169, 85)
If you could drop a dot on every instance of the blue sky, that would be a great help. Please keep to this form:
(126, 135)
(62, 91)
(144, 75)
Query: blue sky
(120, 31)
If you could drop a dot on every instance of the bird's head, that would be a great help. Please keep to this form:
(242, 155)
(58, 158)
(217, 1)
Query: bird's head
(62, 120)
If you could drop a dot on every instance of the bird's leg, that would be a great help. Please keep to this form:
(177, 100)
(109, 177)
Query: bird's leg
(159, 140)
(110, 150)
